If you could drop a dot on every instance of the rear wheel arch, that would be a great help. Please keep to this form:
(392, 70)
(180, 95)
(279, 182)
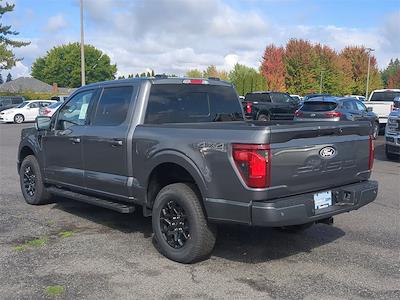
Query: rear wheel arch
(169, 171)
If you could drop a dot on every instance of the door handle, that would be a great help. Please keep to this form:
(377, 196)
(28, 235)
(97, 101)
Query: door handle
(116, 143)
(75, 140)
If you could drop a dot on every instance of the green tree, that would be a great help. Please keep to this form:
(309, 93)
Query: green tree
(7, 56)
(357, 57)
(390, 71)
(302, 67)
(246, 79)
(212, 71)
(62, 65)
(9, 77)
(1, 79)
(195, 73)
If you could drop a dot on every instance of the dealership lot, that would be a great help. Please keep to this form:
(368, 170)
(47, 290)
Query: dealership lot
(92, 253)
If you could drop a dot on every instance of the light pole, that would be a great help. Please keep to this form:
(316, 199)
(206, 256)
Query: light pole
(83, 81)
(369, 50)
(320, 82)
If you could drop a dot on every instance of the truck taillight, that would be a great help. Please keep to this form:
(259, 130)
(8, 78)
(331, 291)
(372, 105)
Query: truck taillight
(195, 81)
(371, 153)
(253, 163)
(333, 114)
(248, 107)
(298, 113)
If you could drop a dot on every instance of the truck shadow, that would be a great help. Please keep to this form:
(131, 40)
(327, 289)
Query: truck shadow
(234, 242)
(110, 220)
(253, 245)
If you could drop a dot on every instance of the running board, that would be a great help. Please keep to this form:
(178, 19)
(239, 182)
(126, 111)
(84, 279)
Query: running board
(117, 206)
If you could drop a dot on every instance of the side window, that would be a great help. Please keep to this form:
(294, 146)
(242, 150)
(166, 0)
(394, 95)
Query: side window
(360, 106)
(34, 105)
(280, 98)
(265, 98)
(74, 112)
(113, 106)
(16, 101)
(348, 105)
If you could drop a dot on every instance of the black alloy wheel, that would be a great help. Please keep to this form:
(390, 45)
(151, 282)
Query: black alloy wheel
(29, 180)
(174, 224)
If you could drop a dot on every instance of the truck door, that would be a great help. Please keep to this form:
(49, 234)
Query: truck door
(62, 144)
(283, 106)
(105, 142)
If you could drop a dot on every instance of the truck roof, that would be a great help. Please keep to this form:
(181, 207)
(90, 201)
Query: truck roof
(162, 79)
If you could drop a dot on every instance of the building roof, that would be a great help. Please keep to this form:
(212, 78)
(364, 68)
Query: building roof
(30, 84)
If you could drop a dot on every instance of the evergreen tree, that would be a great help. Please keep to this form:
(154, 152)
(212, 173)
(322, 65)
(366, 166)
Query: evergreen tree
(7, 56)
(9, 77)
(1, 79)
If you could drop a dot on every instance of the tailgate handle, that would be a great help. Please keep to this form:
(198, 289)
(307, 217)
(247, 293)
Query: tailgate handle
(116, 143)
(75, 140)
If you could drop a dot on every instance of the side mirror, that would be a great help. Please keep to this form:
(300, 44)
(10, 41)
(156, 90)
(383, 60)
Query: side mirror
(43, 123)
(370, 109)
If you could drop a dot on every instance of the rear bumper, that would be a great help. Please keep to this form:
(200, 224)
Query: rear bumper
(292, 210)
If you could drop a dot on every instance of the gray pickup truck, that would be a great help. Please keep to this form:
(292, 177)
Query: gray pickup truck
(180, 149)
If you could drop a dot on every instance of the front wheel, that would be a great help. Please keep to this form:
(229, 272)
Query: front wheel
(264, 117)
(18, 119)
(391, 156)
(180, 227)
(31, 182)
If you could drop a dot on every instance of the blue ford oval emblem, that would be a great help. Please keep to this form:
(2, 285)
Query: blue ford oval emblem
(327, 152)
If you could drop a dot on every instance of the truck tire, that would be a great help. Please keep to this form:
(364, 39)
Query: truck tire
(391, 156)
(18, 119)
(31, 182)
(264, 117)
(180, 228)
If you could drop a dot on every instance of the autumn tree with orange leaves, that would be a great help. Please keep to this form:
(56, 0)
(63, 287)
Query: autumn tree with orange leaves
(273, 68)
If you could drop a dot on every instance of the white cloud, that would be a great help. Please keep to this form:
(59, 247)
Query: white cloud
(56, 23)
(20, 70)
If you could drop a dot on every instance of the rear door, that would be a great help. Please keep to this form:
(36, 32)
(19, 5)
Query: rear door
(105, 142)
(283, 106)
(62, 144)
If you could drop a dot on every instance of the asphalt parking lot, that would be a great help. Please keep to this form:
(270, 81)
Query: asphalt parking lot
(70, 250)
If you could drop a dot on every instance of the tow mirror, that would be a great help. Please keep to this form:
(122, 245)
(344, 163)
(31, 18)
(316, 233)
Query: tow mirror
(43, 123)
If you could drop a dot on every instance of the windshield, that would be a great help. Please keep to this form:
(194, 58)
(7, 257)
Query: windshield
(184, 103)
(22, 104)
(384, 96)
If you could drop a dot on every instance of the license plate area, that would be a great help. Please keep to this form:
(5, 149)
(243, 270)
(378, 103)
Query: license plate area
(322, 200)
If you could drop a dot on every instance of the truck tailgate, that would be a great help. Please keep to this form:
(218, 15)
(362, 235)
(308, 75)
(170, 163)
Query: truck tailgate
(317, 158)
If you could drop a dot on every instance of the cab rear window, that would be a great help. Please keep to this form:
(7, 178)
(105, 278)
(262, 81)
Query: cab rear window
(181, 103)
(318, 106)
(384, 96)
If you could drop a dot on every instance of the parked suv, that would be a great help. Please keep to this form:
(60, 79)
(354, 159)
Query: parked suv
(7, 102)
(180, 149)
(337, 109)
(266, 106)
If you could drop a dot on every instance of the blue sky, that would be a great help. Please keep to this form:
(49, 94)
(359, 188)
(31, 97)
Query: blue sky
(176, 35)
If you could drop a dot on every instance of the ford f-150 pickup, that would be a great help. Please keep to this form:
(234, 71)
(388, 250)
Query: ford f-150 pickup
(181, 149)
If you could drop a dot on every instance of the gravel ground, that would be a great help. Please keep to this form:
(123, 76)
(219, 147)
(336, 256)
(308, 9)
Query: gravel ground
(70, 250)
